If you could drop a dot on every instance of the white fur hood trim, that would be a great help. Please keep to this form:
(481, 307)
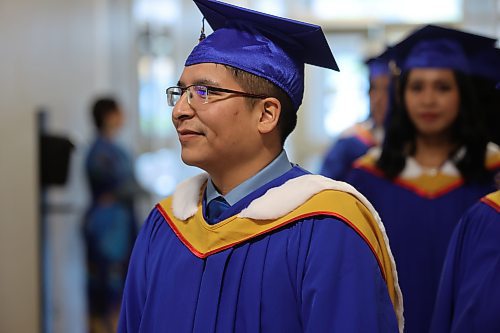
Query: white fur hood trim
(186, 196)
(292, 194)
(284, 198)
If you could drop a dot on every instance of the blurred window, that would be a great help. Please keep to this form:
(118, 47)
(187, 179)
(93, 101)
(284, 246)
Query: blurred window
(389, 11)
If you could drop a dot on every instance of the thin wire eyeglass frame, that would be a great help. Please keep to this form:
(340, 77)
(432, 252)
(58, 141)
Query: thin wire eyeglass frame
(174, 93)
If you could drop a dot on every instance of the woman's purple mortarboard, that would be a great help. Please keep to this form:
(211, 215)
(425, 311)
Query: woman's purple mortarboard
(485, 63)
(439, 47)
(267, 46)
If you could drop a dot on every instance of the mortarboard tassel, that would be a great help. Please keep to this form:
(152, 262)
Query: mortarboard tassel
(202, 33)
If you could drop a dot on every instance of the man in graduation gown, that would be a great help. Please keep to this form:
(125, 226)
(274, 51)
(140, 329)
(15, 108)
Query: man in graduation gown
(256, 244)
(468, 298)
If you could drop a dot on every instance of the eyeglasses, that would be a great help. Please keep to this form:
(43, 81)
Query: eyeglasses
(199, 94)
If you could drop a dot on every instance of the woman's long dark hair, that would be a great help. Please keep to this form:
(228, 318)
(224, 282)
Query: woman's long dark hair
(467, 131)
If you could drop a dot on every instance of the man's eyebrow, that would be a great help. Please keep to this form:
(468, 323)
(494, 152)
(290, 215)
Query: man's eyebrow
(207, 82)
(201, 82)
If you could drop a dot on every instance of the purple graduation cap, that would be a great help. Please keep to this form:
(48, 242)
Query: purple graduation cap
(438, 47)
(267, 46)
(379, 65)
(485, 63)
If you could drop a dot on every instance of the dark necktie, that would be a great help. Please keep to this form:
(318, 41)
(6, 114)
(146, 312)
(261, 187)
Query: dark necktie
(215, 209)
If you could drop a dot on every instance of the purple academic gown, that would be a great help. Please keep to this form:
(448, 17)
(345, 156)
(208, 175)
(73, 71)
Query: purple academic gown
(468, 299)
(313, 275)
(419, 229)
(340, 157)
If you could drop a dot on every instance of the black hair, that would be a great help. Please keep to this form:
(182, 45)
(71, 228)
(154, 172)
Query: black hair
(101, 108)
(254, 84)
(489, 99)
(467, 131)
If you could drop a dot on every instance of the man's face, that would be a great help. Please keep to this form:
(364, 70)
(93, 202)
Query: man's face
(222, 134)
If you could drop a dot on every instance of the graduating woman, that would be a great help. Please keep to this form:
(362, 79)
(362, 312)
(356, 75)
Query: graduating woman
(435, 161)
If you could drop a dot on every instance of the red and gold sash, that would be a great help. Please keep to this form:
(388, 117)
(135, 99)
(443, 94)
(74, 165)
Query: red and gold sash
(493, 200)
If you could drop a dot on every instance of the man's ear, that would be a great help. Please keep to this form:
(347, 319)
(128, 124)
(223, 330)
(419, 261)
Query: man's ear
(269, 114)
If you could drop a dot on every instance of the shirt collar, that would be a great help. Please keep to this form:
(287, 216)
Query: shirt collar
(276, 168)
(413, 169)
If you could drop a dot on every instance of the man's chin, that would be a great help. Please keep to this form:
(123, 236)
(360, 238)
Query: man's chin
(192, 161)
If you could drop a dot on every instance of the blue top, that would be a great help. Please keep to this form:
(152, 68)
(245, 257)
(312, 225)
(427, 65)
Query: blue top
(313, 275)
(109, 170)
(468, 299)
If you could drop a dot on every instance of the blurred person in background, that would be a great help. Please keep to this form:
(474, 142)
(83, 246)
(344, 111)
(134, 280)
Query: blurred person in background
(356, 140)
(434, 164)
(110, 223)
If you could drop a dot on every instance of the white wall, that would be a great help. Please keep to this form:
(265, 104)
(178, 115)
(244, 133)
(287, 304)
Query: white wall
(54, 54)
(482, 17)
